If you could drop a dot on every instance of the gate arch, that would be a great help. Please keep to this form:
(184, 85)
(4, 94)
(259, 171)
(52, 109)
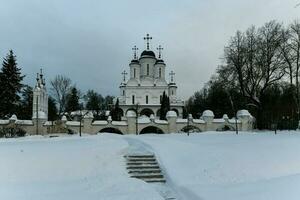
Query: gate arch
(225, 128)
(151, 129)
(111, 130)
(147, 112)
(191, 128)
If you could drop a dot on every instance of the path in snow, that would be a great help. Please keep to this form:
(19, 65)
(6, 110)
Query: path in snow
(137, 147)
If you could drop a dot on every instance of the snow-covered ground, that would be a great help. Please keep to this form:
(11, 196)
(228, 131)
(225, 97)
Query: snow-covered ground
(201, 166)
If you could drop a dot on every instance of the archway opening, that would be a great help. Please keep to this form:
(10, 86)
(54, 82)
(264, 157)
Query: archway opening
(110, 130)
(177, 112)
(158, 113)
(191, 129)
(151, 129)
(225, 128)
(147, 112)
(131, 109)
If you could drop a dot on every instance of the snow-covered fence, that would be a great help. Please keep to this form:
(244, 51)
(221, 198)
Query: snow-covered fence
(134, 125)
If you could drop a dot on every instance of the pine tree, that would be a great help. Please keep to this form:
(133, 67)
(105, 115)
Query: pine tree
(72, 101)
(52, 109)
(164, 107)
(116, 112)
(25, 107)
(94, 102)
(10, 85)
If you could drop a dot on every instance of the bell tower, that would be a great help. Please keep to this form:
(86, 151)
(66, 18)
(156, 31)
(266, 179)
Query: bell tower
(40, 98)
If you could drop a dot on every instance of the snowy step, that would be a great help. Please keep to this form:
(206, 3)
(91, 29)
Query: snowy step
(143, 167)
(157, 170)
(141, 159)
(142, 163)
(140, 156)
(157, 180)
(147, 176)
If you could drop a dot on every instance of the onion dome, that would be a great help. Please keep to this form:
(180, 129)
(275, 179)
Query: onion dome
(134, 61)
(148, 53)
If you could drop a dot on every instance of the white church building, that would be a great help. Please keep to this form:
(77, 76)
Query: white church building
(146, 84)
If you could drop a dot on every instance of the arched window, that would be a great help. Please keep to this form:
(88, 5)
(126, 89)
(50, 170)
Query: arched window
(134, 72)
(147, 99)
(123, 92)
(133, 99)
(172, 92)
(147, 69)
(159, 73)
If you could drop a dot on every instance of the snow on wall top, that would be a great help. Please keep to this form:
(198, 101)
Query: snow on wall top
(208, 113)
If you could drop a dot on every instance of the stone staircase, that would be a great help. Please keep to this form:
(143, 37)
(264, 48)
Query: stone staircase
(144, 167)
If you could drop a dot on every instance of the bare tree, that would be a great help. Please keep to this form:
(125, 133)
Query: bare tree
(256, 60)
(61, 86)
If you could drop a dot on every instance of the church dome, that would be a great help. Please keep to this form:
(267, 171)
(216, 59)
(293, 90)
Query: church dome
(160, 61)
(148, 53)
(134, 61)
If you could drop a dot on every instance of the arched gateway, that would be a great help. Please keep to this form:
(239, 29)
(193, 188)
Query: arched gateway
(151, 129)
(110, 130)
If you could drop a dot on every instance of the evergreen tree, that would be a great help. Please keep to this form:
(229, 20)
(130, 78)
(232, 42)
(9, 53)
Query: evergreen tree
(116, 112)
(94, 102)
(10, 85)
(52, 109)
(72, 101)
(25, 107)
(164, 106)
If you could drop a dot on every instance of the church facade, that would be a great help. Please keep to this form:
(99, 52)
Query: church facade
(146, 84)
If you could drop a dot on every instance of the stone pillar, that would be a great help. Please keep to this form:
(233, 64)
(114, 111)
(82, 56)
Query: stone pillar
(87, 123)
(131, 121)
(172, 117)
(246, 120)
(208, 117)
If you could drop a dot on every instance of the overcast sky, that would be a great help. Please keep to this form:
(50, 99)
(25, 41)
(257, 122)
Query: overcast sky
(90, 41)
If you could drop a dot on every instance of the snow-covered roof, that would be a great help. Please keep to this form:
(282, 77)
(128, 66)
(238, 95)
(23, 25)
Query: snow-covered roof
(119, 123)
(24, 122)
(73, 123)
(130, 113)
(158, 121)
(232, 121)
(225, 116)
(171, 113)
(100, 122)
(13, 117)
(144, 120)
(181, 120)
(4, 122)
(241, 113)
(218, 120)
(198, 121)
(208, 113)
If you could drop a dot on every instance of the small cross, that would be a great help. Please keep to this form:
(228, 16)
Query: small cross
(172, 74)
(135, 52)
(124, 73)
(159, 51)
(148, 38)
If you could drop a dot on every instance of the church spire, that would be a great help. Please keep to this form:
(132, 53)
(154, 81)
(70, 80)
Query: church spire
(148, 38)
(160, 51)
(135, 52)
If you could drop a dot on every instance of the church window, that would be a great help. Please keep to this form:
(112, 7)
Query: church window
(172, 92)
(133, 99)
(134, 72)
(147, 69)
(160, 98)
(159, 72)
(123, 92)
(147, 99)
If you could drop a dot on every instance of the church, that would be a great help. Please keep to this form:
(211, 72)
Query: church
(147, 82)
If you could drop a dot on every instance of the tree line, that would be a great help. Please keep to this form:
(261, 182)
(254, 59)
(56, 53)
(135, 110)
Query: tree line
(259, 72)
(16, 97)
